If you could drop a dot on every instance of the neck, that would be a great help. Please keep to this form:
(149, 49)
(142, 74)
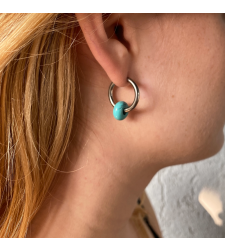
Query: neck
(94, 196)
(102, 177)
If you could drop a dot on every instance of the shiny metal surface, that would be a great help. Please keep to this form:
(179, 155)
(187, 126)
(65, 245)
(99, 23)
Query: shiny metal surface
(136, 92)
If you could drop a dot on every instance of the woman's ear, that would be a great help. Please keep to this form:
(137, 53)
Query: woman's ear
(111, 53)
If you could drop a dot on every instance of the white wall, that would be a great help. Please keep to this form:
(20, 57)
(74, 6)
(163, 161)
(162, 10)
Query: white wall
(174, 195)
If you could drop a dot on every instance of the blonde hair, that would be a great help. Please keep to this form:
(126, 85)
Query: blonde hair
(37, 107)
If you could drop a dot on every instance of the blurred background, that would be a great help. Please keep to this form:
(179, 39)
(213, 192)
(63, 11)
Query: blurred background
(174, 193)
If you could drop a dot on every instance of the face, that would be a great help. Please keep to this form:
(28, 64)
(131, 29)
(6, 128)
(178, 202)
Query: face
(178, 62)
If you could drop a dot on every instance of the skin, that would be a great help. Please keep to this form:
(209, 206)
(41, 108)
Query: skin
(177, 61)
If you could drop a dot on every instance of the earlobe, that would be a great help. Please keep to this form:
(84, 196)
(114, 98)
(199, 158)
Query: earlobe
(111, 53)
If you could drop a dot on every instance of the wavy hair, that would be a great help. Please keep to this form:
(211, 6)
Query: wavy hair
(37, 107)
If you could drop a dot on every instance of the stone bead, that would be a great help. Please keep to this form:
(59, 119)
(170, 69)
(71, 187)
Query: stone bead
(118, 110)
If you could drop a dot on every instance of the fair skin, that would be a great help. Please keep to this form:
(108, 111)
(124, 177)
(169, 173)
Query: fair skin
(177, 61)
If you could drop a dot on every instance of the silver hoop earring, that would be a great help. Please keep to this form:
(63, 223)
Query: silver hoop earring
(121, 109)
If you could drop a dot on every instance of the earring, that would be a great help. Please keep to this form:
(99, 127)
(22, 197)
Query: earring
(121, 109)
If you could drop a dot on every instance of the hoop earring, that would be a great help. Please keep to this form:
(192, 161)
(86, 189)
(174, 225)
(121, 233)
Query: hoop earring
(121, 109)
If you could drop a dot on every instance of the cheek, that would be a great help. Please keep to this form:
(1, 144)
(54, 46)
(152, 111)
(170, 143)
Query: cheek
(189, 89)
(198, 96)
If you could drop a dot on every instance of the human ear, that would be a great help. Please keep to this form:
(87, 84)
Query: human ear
(110, 52)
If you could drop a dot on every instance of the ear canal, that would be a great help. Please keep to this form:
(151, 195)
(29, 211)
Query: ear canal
(119, 31)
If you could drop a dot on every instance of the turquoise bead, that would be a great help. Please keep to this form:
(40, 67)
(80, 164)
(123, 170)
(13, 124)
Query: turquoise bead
(118, 110)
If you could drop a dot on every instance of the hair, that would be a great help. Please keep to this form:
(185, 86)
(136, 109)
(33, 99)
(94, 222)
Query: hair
(37, 108)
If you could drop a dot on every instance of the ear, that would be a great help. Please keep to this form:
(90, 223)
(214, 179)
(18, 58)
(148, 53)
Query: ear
(111, 53)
